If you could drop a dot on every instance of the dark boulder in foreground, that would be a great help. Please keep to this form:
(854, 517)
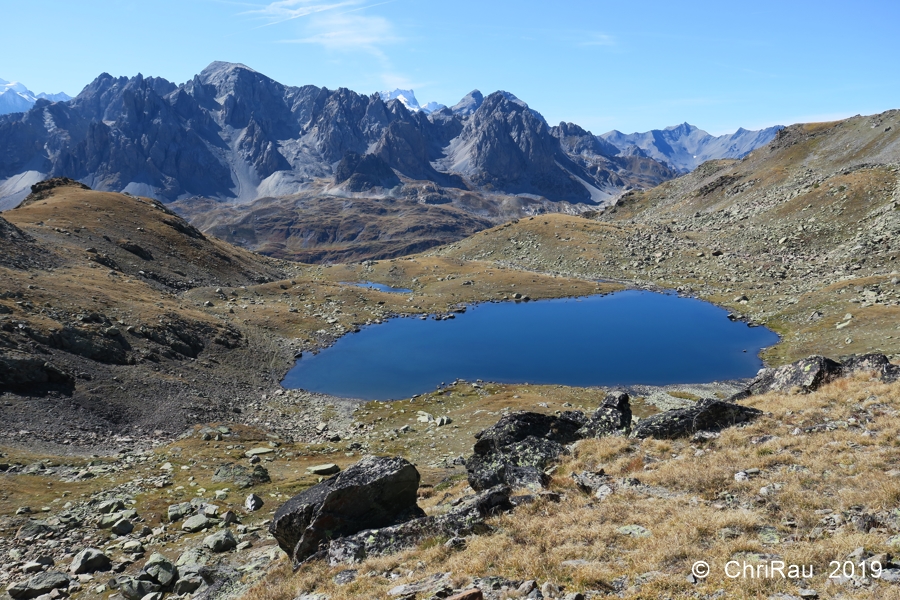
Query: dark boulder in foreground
(612, 418)
(374, 493)
(706, 415)
(466, 518)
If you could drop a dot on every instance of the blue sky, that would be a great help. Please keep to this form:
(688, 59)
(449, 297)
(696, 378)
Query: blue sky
(631, 66)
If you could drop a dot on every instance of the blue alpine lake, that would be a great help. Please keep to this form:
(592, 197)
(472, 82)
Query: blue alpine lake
(630, 337)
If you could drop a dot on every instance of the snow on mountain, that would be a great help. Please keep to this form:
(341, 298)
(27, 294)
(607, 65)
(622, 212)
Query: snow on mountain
(15, 97)
(408, 99)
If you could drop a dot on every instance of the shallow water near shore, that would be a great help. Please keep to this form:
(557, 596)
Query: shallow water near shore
(630, 337)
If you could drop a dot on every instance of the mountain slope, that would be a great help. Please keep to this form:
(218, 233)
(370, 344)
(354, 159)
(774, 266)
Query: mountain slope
(800, 235)
(685, 147)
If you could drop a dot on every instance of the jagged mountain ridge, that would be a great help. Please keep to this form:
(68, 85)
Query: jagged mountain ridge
(685, 147)
(232, 133)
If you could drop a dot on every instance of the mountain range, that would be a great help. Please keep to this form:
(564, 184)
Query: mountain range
(685, 147)
(15, 97)
(233, 134)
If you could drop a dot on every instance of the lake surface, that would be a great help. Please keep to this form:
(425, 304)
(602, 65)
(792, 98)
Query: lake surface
(379, 286)
(624, 338)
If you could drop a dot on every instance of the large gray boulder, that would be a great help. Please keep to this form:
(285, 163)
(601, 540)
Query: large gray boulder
(613, 417)
(375, 492)
(40, 584)
(705, 415)
(807, 375)
(89, 560)
(135, 589)
(466, 518)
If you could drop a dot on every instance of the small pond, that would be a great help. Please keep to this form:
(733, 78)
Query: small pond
(630, 337)
(378, 286)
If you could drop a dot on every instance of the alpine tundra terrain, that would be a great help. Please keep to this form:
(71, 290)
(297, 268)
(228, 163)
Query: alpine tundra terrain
(148, 448)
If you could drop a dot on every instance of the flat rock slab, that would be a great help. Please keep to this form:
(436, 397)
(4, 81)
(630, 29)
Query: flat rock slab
(326, 469)
(258, 452)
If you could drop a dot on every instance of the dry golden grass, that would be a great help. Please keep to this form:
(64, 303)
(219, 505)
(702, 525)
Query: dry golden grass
(705, 514)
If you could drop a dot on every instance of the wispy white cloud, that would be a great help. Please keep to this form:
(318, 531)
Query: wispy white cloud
(346, 32)
(288, 10)
(598, 39)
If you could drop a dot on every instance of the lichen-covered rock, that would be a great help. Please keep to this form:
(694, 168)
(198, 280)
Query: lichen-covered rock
(517, 426)
(613, 417)
(375, 492)
(706, 415)
(808, 375)
(241, 475)
(517, 465)
(466, 518)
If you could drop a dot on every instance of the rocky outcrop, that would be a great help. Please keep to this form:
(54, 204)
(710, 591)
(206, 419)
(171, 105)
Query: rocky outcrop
(517, 449)
(466, 518)
(19, 370)
(806, 375)
(706, 415)
(373, 493)
(612, 418)
(365, 172)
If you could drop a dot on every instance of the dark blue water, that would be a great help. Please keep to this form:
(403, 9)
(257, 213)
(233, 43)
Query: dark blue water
(624, 338)
(380, 287)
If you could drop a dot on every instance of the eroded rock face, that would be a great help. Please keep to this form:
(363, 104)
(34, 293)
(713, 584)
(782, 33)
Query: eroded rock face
(808, 374)
(706, 415)
(613, 417)
(376, 492)
(466, 518)
(18, 370)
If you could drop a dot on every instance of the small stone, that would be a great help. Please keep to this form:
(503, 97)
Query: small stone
(196, 523)
(122, 527)
(634, 531)
(89, 560)
(161, 570)
(253, 502)
(221, 541)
